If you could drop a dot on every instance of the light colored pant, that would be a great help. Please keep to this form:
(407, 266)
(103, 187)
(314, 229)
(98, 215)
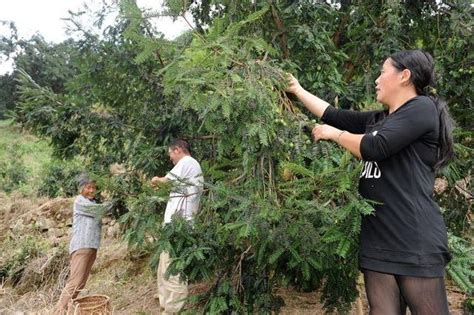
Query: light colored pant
(81, 264)
(172, 292)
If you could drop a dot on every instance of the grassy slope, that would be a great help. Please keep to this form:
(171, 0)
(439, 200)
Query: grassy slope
(35, 153)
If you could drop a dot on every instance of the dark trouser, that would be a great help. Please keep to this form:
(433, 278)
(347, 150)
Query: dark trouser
(81, 265)
(391, 294)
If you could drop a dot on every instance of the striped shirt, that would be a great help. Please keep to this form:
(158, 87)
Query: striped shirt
(188, 181)
(86, 225)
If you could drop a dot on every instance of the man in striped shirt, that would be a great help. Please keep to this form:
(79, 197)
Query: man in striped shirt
(186, 177)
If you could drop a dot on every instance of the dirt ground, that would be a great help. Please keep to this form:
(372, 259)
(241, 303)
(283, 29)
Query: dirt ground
(126, 279)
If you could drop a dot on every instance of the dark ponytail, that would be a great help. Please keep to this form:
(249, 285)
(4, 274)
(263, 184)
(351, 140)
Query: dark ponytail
(421, 66)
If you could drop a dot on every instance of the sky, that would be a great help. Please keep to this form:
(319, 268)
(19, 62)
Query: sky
(44, 17)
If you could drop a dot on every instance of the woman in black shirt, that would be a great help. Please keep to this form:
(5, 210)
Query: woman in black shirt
(403, 246)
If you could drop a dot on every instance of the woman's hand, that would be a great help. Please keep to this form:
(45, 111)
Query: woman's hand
(293, 85)
(325, 132)
(345, 139)
(315, 105)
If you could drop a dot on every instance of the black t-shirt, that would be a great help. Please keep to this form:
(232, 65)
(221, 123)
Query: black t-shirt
(407, 234)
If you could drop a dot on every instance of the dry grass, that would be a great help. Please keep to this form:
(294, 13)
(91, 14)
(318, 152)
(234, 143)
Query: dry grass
(48, 271)
(40, 303)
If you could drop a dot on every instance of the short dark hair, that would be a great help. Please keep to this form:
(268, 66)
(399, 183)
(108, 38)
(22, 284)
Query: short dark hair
(182, 144)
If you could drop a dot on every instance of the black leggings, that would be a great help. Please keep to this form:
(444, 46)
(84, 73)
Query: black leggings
(391, 294)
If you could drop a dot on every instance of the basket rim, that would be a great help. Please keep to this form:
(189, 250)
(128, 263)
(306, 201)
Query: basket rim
(94, 302)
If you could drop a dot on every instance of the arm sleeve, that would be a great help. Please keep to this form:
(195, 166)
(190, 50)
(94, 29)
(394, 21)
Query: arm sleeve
(401, 130)
(83, 207)
(176, 172)
(352, 121)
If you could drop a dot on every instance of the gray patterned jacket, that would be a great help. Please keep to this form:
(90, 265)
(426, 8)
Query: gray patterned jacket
(86, 225)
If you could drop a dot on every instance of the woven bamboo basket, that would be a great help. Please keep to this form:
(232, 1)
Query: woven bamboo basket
(91, 305)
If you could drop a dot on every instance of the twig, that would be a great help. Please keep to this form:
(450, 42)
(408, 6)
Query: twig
(239, 268)
(238, 178)
(270, 176)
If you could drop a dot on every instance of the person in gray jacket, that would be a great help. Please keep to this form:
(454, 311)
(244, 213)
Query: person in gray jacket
(85, 241)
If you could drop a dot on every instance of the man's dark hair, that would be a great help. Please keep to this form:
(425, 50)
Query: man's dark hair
(182, 144)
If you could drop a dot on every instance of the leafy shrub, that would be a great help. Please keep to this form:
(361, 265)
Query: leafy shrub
(13, 172)
(460, 268)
